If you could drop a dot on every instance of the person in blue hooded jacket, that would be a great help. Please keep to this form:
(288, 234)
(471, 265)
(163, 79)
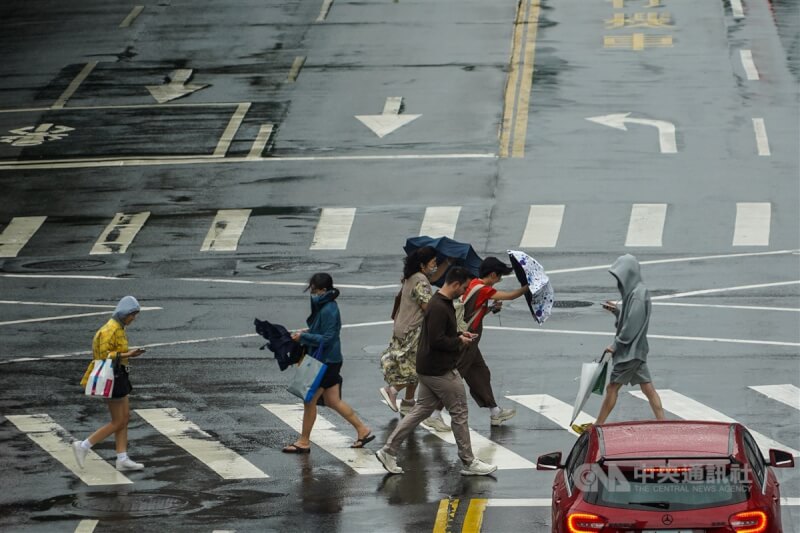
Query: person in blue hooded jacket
(324, 327)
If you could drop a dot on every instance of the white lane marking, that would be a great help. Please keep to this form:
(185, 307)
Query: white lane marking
(323, 12)
(361, 460)
(552, 409)
(186, 434)
(762, 141)
(119, 234)
(17, 234)
(738, 10)
(264, 133)
(86, 526)
(65, 317)
(285, 283)
(59, 276)
(294, 71)
(333, 228)
(752, 224)
(646, 225)
(543, 226)
(725, 289)
(389, 120)
(230, 131)
(743, 307)
(749, 65)
(226, 230)
(55, 304)
(484, 449)
(73, 86)
(144, 161)
(135, 12)
(689, 409)
(649, 335)
(788, 394)
(676, 260)
(440, 221)
(56, 441)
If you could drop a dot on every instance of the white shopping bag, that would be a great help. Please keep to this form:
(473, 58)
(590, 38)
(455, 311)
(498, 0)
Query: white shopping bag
(101, 380)
(590, 373)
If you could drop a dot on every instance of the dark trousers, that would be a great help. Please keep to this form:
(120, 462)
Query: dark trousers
(473, 369)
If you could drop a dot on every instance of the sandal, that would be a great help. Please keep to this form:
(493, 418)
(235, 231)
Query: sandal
(369, 437)
(294, 448)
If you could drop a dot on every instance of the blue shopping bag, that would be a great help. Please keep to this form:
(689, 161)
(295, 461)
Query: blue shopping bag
(308, 376)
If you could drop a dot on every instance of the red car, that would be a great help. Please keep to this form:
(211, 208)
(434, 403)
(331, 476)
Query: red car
(666, 477)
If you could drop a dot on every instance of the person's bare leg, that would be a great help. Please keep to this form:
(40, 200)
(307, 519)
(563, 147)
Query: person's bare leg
(117, 420)
(309, 417)
(609, 401)
(655, 400)
(411, 389)
(332, 400)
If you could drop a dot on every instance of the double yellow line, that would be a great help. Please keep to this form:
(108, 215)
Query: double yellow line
(520, 78)
(447, 513)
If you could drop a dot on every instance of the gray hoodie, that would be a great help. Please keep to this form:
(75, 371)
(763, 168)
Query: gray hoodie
(630, 341)
(126, 306)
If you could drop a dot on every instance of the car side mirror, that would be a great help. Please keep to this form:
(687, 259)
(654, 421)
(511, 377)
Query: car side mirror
(781, 459)
(549, 461)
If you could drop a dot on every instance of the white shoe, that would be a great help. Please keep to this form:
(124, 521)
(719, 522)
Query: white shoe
(388, 461)
(436, 424)
(128, 464)
(391, 399)
(405, 408)
(502, 416)
(478, 468)
(80, 453)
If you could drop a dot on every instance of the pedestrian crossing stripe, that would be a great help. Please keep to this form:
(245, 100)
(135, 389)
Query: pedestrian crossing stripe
(56, 441)
(361, 460)
(786, 394)
(551, 408)
(645, 229)
(689, 409)
(225, 462)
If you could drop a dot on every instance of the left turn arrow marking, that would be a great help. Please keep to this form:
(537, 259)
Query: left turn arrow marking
(176, 87)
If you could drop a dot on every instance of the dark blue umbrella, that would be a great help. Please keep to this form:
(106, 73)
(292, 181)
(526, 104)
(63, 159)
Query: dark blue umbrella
(464, 254)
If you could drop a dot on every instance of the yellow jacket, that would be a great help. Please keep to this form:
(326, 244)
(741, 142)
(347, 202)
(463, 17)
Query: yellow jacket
(109, 342)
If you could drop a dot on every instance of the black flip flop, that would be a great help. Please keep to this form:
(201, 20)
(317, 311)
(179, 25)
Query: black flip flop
(360, 443)
(294, 448)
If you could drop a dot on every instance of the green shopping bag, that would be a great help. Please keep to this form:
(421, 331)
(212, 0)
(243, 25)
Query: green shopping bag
(599, 386)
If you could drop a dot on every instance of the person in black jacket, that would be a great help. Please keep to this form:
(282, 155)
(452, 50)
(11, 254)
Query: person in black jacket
(440, 347)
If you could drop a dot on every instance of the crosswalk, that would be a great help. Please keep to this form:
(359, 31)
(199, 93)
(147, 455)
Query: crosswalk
(648, 225)
(335, 436)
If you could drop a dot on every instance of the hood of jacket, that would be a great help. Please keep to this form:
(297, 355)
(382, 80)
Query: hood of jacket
(628, 273)
(126, 306)
(318, 300)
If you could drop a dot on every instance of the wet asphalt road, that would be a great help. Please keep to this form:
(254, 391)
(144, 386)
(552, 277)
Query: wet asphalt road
(485, 142)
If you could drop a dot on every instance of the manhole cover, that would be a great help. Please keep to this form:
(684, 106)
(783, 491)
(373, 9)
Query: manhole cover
(132, 504)
(569, 304)
(65, 264)
(298, 266)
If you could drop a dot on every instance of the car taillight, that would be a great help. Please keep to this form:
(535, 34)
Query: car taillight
(585, 523)
(749, 522)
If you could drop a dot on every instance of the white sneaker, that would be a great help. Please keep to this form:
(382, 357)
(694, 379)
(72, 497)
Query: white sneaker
(80, 453)
(502, 416)
(436, 424)
(478, 468)
(128, 464)
(391, 399)
(388, 461)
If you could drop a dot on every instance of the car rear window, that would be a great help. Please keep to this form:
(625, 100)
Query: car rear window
(674, 489)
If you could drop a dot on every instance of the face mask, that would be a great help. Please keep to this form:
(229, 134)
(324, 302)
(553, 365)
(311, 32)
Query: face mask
(433, 270)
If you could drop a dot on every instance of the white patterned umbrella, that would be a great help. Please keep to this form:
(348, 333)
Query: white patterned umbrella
(540, 295)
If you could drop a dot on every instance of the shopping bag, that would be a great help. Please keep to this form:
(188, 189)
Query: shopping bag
(590, 378)
(599, 386)
(101, 380)
(308, 376)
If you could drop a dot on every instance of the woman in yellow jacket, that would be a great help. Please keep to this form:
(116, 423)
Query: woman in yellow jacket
(110, 341)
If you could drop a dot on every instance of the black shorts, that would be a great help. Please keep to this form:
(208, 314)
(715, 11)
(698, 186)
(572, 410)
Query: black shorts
(332, 376)
(122, 383)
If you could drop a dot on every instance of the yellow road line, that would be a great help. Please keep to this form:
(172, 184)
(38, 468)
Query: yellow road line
(520, 78)
(445, 515)
(474, 518)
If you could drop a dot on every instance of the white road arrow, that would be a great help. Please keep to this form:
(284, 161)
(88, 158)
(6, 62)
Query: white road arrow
(390, 120)
(666, 130)
(176, 87)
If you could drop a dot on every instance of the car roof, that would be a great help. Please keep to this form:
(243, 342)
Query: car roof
(665, 438)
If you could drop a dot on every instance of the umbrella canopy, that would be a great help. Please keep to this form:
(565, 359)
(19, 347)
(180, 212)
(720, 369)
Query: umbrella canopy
(590, 374)
(540, 295)
(463, 253)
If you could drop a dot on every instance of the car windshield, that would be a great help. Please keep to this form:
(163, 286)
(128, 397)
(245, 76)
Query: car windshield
(669, 488)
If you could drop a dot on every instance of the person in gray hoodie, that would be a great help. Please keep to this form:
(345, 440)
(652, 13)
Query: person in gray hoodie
(629, 349)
